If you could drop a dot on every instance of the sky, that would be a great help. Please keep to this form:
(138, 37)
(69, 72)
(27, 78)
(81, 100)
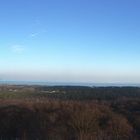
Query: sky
(70, 40)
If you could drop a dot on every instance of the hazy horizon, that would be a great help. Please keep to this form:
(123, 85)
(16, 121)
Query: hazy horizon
(76, 41)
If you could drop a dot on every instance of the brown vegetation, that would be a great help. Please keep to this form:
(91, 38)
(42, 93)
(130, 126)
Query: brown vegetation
(61, 120)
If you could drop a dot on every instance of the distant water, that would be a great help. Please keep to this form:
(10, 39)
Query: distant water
(66, 83)
(44, 83)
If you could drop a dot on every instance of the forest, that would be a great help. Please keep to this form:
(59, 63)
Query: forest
(69, 113)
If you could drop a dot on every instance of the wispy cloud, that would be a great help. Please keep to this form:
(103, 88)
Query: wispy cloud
(35, 34)
(18, 48)
(39, 28)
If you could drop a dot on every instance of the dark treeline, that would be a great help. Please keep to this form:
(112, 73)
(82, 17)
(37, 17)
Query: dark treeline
(90, 93)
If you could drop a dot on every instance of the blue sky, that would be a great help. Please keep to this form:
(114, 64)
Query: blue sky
(70, 40)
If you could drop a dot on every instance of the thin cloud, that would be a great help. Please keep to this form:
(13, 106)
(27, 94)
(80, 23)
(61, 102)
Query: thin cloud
(39, 30)
(35, 34)
(18, 49)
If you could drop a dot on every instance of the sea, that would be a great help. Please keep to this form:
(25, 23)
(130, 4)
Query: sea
(47, 83)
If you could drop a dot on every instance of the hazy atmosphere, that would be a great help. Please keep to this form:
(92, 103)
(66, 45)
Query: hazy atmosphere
(69, 69)
(70, 41)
